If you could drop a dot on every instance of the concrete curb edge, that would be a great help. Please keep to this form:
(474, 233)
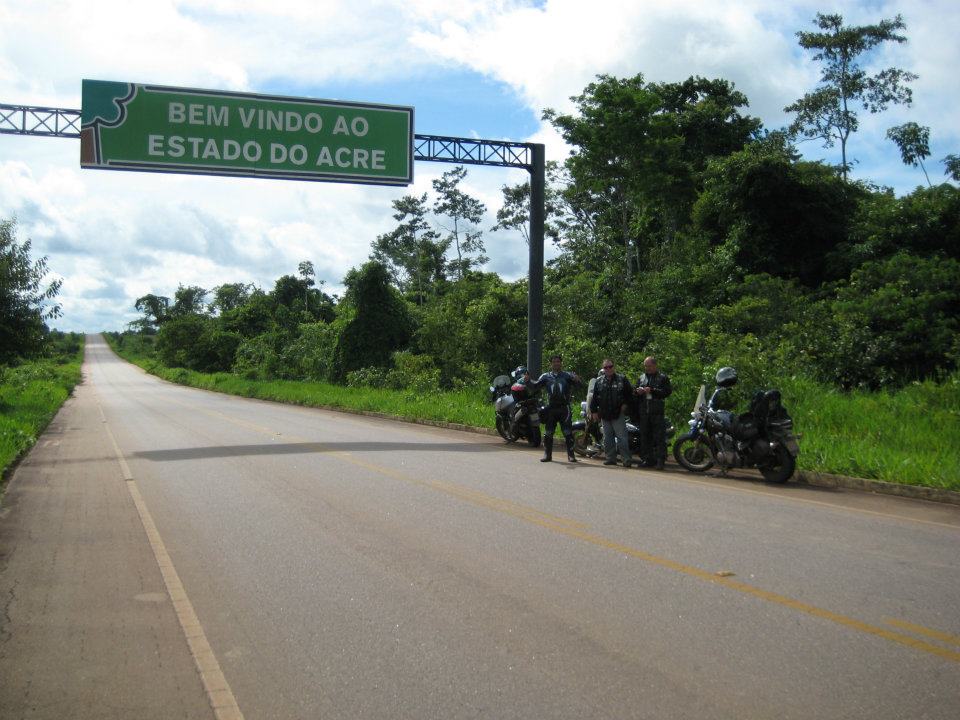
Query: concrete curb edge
(915, 492)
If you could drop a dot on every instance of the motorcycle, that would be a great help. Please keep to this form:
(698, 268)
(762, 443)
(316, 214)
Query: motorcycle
(517, 414)
(762, 438)
(588, 433)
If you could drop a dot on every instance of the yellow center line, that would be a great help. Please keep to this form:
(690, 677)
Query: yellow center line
(921, 630)
(578, 530)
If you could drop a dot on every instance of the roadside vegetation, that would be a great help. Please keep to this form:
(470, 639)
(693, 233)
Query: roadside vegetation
(38, 367)
(684, 229)
(32, 392)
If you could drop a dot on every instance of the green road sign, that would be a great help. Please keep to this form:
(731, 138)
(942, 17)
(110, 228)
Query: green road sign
(126, 126)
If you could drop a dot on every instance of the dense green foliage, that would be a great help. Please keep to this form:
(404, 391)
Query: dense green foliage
(33, 391)
(26, 299)
(683, 229)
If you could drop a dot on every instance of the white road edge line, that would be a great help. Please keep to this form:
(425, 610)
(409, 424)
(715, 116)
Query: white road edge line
(218, 691)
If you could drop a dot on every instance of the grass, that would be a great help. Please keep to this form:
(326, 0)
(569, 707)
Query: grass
(30, 396)
(464, 407)
(908, 436)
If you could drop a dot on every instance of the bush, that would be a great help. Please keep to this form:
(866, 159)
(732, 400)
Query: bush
(197, 343)
(310, 356)
(895, 321)
(256, 359)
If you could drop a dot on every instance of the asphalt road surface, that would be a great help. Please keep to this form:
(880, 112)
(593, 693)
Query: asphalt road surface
(167, 552)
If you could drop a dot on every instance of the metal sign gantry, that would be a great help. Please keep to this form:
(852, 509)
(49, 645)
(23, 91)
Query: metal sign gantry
(60, 122)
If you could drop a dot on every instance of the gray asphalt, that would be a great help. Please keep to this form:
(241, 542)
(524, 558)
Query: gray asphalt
(346, 567)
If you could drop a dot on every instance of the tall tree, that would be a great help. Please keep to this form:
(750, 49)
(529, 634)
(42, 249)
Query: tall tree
(155, 309)
(413, 251)
(26, 298)
(306, 272)
(464, 212)
(188, 300)
(914, 143)
(829, 112)
(952, 164)
(639, 150)
(229, 296)
(514, 214)
(375, 321)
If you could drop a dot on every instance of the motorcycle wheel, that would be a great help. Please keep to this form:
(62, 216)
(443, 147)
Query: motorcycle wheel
(780, 467)
(694, 455)
(503, 429)
(533, 437)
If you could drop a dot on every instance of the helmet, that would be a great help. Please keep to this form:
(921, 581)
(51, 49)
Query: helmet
(519, 372)
(726, 377)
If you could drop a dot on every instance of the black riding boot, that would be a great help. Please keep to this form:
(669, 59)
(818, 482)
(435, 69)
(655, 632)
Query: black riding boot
(547, 449)
(570, 456)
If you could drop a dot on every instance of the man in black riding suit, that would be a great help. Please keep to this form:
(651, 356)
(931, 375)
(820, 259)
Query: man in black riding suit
(653, 387)
(559, 386)
(612, 396)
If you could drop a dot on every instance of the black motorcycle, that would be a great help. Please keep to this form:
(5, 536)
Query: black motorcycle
(588, 434)
(762, 438)
(517, 413)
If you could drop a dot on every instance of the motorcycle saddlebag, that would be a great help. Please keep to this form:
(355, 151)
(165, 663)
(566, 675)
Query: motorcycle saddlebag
(745, 427)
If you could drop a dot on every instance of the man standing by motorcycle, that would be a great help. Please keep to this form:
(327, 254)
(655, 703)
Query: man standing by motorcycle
(559, 386)
(612, 396)
(653, 387)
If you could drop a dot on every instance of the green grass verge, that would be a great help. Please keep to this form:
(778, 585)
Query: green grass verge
(908, 436)
(465, 407)
(30, 396)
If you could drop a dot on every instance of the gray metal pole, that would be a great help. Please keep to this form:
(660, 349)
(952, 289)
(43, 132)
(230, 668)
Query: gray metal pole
(538, 183)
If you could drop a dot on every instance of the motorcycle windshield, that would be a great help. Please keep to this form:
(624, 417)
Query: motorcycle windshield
(701, 398)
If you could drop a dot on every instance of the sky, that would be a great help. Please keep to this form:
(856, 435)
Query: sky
(474, 69)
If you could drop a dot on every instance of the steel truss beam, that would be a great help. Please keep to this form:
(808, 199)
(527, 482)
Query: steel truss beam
(49, 122)
(437, 148)
(59, 122)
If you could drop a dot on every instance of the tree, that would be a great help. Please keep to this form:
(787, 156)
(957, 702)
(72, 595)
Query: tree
(828, 113)
(914, 143)
(952, 164)
(514, 214)
(306, 272)
(188, 300)
(776, 216)
(155, 309)
(413, 251)
(376, 321)
(639, 150)
(465, 212)
(25, 297)
(229, 296)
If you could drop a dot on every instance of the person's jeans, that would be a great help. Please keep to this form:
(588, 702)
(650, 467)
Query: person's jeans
(615, 433)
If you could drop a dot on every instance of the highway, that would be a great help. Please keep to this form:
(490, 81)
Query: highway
(169, 552)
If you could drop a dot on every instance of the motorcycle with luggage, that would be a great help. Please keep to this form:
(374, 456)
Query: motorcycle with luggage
(517, 412)
(760, 438)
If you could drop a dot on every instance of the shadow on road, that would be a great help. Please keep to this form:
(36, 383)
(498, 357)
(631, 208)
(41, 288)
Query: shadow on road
(306, 448)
